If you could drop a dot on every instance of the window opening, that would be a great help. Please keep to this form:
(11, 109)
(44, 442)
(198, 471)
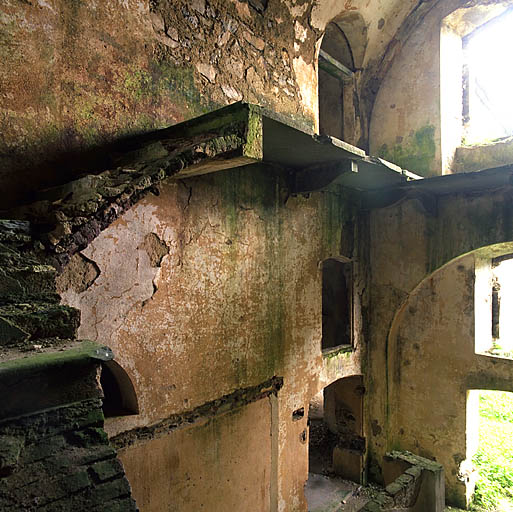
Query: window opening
(493, 301)
(502, 299)
(337, 304)
(487, 107)
(336, 75)
(490, 450)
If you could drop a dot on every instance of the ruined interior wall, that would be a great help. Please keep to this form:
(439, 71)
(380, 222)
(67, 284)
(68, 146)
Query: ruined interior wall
(216, 466)
(407, 124)
(432, 347)
(421, 358)
(77, 75)
(210, 287)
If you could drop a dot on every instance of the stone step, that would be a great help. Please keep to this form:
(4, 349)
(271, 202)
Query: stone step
(20, 323)
(15, 232)
(22, 283)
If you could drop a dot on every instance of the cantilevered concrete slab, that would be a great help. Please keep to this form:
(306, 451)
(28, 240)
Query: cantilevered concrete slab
(242, 134)
(461, 183)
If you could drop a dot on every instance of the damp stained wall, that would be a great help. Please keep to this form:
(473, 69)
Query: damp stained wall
(422, 316)
(418, 99)
(224, 464)
(211, 287)
(408, 102)
(77, 75)
(432, 346)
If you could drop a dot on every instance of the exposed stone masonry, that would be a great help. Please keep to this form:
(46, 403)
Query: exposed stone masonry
(60, 460)
(70, 216)
(54, 453)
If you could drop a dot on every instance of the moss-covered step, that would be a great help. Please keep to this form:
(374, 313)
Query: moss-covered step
(61, 375)
(37, 320)
(23, 283)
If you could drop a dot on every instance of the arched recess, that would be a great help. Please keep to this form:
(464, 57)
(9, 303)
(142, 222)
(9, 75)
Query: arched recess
(120, 398)
(433, 365)
(337, 443)
(340, 57)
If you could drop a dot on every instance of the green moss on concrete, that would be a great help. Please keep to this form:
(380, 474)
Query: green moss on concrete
(177, 82)
(416, 155)
(344, 351)
(138, 83)
(254, 147)
(82, 351)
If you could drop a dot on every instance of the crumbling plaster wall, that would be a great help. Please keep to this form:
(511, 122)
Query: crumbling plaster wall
(78, 75)
(226, 296)
(421, 359)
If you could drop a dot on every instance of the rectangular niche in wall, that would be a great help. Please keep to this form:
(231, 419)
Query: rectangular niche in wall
(337, 303)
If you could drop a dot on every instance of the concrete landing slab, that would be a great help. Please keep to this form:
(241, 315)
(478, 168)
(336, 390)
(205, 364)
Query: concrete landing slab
(331, 494)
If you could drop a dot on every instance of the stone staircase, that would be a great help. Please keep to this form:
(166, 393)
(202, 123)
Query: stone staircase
(54, 452)
(31, 315)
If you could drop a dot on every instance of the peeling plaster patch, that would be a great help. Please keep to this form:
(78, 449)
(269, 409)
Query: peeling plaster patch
(78, 275)
(207, 70)
(155, 248)
(300, 32)
(306, 77)
(118, 253)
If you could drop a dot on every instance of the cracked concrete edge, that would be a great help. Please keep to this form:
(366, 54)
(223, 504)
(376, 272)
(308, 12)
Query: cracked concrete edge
(212, 409)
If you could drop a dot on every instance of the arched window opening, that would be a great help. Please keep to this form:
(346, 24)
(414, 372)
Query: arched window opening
(336, 85)
(120, 398)
(337, 304)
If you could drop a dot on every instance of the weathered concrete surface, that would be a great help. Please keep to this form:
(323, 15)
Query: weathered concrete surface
(419, 101)
(234, 302)
(223, 464)
(421, 359)
(484, 156)
(408, 102)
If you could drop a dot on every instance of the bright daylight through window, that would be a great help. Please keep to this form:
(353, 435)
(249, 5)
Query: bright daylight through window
(487, 105)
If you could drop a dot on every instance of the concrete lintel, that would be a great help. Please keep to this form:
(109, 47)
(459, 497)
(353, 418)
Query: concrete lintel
(492, 373)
